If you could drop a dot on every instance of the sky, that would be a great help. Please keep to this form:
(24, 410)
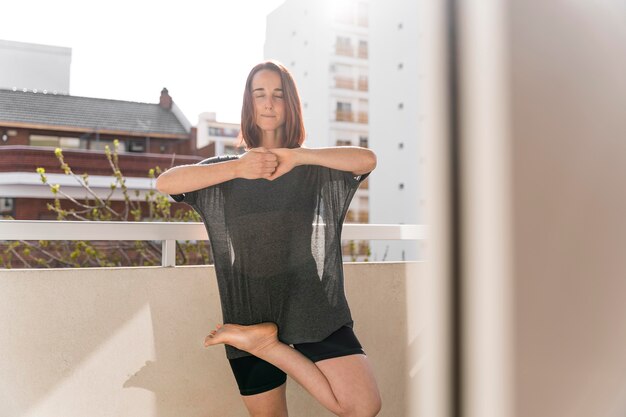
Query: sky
(200, 50)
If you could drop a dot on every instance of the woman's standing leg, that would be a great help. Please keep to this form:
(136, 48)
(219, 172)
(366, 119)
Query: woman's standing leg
(271, 403)
(351, 376)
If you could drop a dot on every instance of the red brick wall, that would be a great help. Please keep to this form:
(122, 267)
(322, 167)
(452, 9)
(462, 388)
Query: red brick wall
(36, 209)
(28, 158)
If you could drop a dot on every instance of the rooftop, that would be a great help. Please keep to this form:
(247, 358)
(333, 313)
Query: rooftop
(49, 110)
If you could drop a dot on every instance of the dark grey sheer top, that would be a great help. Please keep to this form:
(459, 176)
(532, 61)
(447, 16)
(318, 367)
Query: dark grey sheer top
(277, 249)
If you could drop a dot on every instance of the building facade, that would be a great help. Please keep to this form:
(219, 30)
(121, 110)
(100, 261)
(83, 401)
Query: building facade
(325, 46)
(33, 125)
(217, 138)
(396, 118)
(355, 63)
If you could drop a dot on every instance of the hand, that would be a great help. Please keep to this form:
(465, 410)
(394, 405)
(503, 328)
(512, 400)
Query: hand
(287, 160)
(257, 163)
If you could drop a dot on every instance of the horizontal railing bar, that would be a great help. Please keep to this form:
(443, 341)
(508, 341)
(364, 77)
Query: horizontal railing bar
(115, 230)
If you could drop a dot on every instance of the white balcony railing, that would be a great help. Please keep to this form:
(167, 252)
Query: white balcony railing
(169, 232)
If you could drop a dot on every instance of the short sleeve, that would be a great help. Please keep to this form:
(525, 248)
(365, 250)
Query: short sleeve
(190, 197)
(338, 191)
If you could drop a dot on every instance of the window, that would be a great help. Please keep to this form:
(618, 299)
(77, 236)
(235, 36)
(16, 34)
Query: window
(344, 112)
(363, 49)
(224, 132)
(363, 83)
(6, 205)
(343, 46)
(136, 146)
(344, 142)
(99, 145)
(343, 106)
(232, 150)
(58, 142)
(363, 141)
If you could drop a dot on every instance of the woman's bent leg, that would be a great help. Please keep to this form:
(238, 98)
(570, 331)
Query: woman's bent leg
(261, 341)
(353, 384)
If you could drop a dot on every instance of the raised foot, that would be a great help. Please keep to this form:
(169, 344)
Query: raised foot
(252, 339)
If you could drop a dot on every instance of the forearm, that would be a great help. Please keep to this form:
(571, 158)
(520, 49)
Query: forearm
(185, 178)
(344, 158)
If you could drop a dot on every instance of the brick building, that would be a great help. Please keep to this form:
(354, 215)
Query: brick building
(33, 124)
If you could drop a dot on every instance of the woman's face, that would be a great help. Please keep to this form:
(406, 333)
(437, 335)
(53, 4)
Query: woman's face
(269, 104)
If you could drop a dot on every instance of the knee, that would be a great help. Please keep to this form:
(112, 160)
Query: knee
(375, 405)
(364, 407)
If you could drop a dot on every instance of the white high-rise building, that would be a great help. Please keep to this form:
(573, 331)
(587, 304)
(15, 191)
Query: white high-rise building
(355, 62)
(397, 188)
(325, 45)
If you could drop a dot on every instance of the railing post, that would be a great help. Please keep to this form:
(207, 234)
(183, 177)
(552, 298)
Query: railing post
(168, 253)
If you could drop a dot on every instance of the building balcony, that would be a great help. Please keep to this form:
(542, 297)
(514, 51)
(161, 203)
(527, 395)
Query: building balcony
(344, 116)
(344, 50)
(128, 341)
(344, 82)
(24, 158)
(363, 117)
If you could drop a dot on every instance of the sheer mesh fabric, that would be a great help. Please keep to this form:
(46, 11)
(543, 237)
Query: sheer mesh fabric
(277, 249)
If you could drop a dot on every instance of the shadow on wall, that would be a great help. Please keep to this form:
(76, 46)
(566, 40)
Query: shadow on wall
(128, 342)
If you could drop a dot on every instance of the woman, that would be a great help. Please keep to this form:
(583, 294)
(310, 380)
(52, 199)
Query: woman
(274, 219)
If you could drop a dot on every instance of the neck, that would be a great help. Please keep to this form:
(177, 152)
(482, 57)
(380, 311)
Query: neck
(272, 138)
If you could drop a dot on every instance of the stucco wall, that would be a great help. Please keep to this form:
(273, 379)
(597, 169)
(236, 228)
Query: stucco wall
(128, 341)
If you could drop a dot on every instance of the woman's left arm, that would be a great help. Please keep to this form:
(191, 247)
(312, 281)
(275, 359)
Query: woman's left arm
(344, 158)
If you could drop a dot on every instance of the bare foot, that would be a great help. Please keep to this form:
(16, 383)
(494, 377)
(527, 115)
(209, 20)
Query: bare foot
(252, 339)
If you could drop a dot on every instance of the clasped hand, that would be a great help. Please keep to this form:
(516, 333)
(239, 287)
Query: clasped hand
(266, 163)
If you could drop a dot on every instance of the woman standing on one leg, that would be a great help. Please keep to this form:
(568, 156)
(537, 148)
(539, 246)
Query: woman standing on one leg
(274, 217)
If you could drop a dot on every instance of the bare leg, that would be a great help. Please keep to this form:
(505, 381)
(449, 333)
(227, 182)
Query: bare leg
(271, 403)
(261, 340)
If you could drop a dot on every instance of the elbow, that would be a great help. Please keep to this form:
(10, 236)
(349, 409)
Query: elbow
(371, 160)
(160, 184)
(367, 162)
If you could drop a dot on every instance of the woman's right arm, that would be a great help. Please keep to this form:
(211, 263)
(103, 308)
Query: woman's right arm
(256, 163)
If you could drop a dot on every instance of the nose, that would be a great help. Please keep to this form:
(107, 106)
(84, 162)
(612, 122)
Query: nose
(269, 103)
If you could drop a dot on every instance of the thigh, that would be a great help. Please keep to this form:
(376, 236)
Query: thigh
(271, 403)
(261, 385)
(352, 381)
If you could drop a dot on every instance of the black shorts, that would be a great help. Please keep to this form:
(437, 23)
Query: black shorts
(255, 375)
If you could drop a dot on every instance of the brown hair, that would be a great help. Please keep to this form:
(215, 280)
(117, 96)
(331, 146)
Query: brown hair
(294, 126)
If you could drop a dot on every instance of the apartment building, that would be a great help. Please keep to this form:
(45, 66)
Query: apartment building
(325, 45)
(355, 63)
(396, 118)
(217, 138)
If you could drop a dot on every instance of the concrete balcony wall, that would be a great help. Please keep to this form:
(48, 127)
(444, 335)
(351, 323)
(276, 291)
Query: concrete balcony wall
(128, 341)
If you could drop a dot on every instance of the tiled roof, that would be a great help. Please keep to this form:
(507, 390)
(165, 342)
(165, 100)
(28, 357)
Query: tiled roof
(87, 113)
